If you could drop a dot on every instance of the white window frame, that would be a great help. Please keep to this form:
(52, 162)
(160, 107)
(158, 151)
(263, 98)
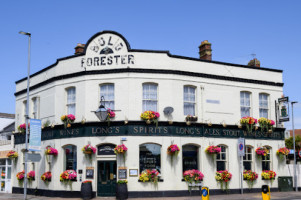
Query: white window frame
(264, 108)
(190, 95)
(245, 158)
(71, 103)
(145, 105)
(244, 105)
(220, 155)
(109, 96)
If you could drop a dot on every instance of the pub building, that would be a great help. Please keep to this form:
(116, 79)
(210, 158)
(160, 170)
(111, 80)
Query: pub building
(200, 103)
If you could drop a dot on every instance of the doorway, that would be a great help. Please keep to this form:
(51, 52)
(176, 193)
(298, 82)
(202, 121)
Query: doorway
(106, 178)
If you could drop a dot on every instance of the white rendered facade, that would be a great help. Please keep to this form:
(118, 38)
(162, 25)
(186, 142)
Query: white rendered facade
(217, 100)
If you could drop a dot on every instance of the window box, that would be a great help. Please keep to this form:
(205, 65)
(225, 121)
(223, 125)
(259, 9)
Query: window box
(190, 118)
(160, 180)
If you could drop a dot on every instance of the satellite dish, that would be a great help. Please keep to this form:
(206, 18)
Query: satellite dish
(168, 110)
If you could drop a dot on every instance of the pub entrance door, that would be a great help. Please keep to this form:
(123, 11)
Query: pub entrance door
(106, 178)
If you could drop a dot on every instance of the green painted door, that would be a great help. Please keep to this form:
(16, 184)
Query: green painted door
(106, 178)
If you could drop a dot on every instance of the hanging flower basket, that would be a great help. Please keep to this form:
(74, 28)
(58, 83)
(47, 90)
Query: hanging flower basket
(110, 115)
(150, 116)
(149, 176)
(20, 176)
(250, 176)
(191, 118)
(46, 177)
(51, 151)
(22, 127)
(3, 174)
(89, 149)
(31, 175)
(249, 123)
(67, 120)
(261, 151)
(12, 154)
(223, 177)
(212, 150)
(120, 149)
(266, 124)
(282, 152)
(173, 150)
(268, 175)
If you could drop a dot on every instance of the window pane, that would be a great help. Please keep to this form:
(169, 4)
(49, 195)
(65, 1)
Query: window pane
(150, 157)
(189, 100)
(247, 165)
(265, 165)
(190, 157)
(221, 165)
(8, 173)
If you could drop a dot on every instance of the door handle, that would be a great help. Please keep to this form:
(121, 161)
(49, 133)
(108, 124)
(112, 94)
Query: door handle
(111, 176)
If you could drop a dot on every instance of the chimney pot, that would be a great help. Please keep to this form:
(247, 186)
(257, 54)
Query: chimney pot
(79, 48)
(205, 50)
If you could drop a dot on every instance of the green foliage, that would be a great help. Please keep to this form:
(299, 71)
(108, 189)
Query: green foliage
(289, 142)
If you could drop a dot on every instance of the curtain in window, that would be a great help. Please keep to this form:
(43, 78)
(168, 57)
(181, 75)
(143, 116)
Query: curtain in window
(245, 104)
(263, 105)
(107, 91)
(150, 98)
(71, 99)
(189, 100)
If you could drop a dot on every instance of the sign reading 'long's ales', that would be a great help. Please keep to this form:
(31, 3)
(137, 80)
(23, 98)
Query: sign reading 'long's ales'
(107, 49)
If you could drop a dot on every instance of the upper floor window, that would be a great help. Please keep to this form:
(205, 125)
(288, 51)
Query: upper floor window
(248, 158)
(107, 91)
(245, 104)
(266, 160)
(189, 100)
(24, 110)
(221, 159)
(35, 108)
(264, 105)
(71, 100)
(150, 97)
(70, 157)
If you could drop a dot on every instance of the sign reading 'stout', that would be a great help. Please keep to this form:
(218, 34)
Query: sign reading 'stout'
(107, 49)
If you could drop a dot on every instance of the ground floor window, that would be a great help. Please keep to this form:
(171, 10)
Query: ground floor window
(190, 157)
(221, 159)
(266, 160)
(150, 157)
(70, 157)
(5, 178)
(248, 158)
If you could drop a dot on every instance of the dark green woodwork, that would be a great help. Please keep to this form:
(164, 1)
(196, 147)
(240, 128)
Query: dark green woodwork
(140, 128)
(106, 178)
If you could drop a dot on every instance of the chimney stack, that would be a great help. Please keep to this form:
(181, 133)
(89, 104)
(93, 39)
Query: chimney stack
(254, 62)
(205, 50)
(79, 48)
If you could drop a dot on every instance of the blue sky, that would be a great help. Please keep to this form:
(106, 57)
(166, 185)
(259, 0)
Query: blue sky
(236, 29)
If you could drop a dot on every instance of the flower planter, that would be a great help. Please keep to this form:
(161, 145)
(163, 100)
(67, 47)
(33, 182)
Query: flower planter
(121, 191)
(86, 190)
(191, 118)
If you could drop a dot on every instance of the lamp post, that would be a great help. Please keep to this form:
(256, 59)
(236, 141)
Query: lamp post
(26, 114)
(295, 173)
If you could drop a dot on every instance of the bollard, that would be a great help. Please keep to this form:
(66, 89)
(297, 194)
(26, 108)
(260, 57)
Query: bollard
(266, 193)
(205, 193)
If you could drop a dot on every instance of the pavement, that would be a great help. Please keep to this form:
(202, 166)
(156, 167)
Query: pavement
(250, 196)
